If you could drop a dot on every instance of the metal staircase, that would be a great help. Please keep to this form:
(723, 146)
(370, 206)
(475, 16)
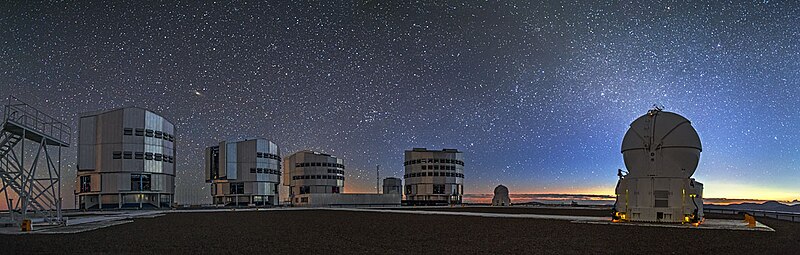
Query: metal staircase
(8, 141)
(30, 177)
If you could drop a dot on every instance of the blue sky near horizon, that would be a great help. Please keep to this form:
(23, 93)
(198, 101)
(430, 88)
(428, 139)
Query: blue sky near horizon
(537, 94)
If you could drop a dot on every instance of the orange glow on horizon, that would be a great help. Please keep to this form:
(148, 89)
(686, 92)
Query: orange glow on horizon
(599, 191)
(713, 192)
(738, 191)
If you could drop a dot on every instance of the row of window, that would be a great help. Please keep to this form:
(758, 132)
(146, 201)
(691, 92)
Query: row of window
(434, 160)
(307, 189)
(437, 189)
(435, 174)
(325, 164)
(143, 155)
(313, 164)
(264, 171)
(268, 155)
(335, 171)
(139, 182)
(317, 177)
(439, 167)
(149, 133)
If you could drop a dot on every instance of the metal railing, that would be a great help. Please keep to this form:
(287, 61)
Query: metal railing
(788, 216)
(22, 114)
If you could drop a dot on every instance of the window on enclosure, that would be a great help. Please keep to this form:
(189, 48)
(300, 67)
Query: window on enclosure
(438, 189)
(86, 183)
(237, 188)
(140, 182)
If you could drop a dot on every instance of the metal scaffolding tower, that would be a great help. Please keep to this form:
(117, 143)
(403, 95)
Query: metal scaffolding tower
(31, 176)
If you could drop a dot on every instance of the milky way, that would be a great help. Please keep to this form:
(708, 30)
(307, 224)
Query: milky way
(537, 95)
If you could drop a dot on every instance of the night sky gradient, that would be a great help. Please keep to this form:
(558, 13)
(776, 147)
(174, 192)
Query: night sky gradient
(537, 95)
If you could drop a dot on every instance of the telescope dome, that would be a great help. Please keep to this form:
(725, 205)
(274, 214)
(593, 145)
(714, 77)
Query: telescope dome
(501, 197)
(661, 144)
(500, 190)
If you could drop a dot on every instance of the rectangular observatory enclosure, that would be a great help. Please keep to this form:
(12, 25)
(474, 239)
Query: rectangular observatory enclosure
(126, 159)
(674, 200)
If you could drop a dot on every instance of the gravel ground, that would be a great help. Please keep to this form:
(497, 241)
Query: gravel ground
(381, 233)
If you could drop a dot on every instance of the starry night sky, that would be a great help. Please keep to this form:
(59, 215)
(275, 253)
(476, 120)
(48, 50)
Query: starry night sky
(537, 95)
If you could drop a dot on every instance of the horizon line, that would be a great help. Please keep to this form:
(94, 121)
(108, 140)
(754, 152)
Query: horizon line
(612, 196)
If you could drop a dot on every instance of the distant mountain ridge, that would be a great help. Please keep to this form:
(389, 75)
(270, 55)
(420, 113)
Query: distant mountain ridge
(766, 206)
(541, 199)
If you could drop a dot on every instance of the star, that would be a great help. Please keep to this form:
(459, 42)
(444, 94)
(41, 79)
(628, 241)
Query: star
(538, 96)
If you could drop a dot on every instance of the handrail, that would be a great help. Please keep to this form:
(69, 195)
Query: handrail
(21, 113)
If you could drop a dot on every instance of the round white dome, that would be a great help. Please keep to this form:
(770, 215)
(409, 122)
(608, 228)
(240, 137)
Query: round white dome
(500, 190)
(661, 144)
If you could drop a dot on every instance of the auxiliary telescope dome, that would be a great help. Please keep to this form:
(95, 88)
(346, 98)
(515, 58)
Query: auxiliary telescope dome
(661, 144)
(501, 197)
(500, 190)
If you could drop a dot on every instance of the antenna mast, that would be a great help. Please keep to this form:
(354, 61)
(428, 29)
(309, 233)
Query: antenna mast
(378, 179)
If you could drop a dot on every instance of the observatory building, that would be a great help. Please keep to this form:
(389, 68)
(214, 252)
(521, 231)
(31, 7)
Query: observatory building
(501, 197)
(434, 177)
(317, 179)
(392, 185)
(661, 151)
(126, 158)
(310, 172)
(244, 172)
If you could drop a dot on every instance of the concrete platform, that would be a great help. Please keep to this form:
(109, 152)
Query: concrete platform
(77, 222)
(87, 222)
(707, 224)
(113, 217)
